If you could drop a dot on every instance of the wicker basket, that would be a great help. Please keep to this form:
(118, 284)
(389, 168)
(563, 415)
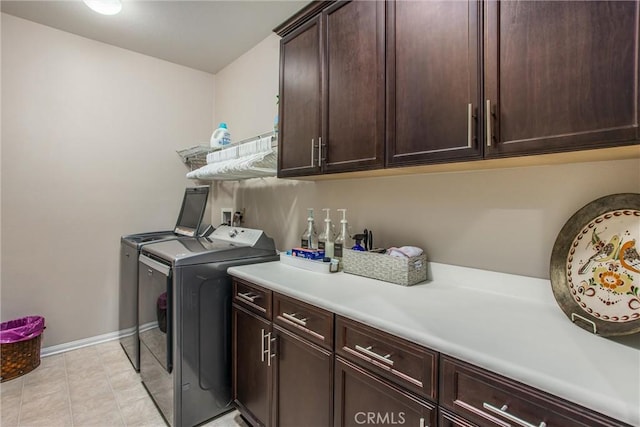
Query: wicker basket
(402, 271)
(19, 358)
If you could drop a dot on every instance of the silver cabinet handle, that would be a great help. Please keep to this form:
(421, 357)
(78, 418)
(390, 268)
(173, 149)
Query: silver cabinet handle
(422, 424)
(270, 355)
(150, 272)
(248, 296)
(385, 359)
(503, 412)
(292, 317)
(262, 351)
(320, 152)
(469, 125)
(488, 114)
(313, 147)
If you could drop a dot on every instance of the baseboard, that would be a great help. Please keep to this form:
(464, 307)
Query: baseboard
(85, 342)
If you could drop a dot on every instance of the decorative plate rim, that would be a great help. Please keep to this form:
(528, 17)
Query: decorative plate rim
(558, 264)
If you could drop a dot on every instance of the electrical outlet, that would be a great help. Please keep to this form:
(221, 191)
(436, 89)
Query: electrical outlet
(226, 216)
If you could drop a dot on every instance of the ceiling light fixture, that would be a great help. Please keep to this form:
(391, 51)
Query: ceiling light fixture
(105, 7)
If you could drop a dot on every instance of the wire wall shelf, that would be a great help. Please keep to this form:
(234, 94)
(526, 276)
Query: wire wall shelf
(254, 157)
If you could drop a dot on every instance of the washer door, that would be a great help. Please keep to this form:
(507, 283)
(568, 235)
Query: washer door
(154, 310)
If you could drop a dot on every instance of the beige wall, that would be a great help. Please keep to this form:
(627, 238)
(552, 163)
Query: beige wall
(89, 134)
(89, 140)
(503, 220)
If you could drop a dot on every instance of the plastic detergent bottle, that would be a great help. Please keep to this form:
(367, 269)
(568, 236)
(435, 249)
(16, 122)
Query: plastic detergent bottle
(343, 238)
(309, 239)
(325, 239)
(221, 137)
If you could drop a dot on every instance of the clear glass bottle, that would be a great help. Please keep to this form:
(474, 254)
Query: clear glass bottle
(343, 240)
(309, 239)
(326, 238)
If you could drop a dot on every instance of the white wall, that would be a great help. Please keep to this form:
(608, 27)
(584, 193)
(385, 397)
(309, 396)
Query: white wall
(503, 220)
(89, 140)
(246, 100)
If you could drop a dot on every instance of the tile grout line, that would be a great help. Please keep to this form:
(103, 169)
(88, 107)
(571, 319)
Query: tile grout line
(20, 404)
(66, 378)
(113, 393)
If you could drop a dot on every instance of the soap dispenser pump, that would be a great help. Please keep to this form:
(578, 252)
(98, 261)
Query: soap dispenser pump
(343, 238)
(325, 240)
(309, 238)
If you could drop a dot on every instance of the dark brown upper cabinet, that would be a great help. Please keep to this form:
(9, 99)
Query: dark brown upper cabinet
(432, 81)
(560, 76)
(372, 84)
(300, 101)
(332, 91)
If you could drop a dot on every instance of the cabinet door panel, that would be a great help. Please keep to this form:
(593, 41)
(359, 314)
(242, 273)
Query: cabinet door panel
(362, 399)
(252, 377)
(449, 419)
(304, 383)
(354, 95)
(432, 80)
(300, 101)
(561, 75)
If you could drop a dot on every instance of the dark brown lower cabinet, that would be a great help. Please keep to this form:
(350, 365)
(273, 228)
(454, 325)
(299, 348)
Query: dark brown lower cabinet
(303, 382)
(289, 371)
(253, 376)
(364, 399)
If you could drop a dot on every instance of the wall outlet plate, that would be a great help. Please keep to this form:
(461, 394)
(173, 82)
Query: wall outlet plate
(226, 216)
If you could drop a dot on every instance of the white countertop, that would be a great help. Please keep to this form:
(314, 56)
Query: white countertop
(505, 323)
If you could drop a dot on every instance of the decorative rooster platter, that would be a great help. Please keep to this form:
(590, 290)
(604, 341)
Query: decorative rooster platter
(595, 266)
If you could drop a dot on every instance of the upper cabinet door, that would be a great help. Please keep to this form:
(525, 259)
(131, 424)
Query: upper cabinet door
(353, 134)
(560, 75)
(300, 101)
(432, 80)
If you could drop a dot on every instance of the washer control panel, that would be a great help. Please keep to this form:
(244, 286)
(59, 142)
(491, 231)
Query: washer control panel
(238, 235)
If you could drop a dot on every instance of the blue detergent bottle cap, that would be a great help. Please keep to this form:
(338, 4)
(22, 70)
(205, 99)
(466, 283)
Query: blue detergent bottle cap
(223, 125)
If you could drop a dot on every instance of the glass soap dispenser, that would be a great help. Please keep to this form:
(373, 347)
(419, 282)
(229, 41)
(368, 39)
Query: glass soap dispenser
(343, 238)
(309, 239)
(326, 238)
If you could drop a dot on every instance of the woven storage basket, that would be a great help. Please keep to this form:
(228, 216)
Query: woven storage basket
(402, 271)
(19, 358)
(20, 341)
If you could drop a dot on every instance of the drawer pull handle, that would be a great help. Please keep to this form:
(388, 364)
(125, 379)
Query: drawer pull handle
(294, 319)
(385, 359)
(248, 296)
(503, 412)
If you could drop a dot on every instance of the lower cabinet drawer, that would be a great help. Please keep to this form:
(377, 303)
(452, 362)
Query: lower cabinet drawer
(306, 320)
(253, 297)
(361, 398)
(404, 363)
(488, 399)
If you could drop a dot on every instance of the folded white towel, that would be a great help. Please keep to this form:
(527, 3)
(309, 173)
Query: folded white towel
(405, 251)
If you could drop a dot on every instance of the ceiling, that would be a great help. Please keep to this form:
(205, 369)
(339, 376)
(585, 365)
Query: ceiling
(204, 35)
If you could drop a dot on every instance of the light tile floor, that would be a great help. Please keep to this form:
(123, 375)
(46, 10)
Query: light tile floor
(92, 386)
